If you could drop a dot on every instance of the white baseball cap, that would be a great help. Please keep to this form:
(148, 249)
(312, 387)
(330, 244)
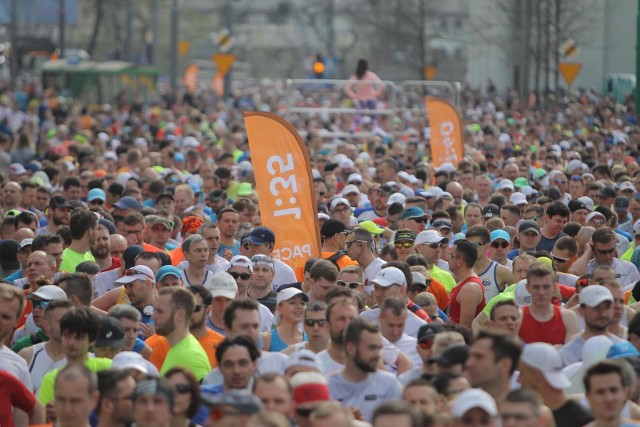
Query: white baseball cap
(241, 261)
(396, 198)
(137, 272)
(339, 201)
(506, 184)
(355, 177)
(473, 398)
(390, 276)
(48, 293)
(593, 295)
(626, 185)
(595, 214)
(350, 189)
(434, 191)
(304, 357)
(430, 236)
(587, 201)
(518, 199)
(222, 285)
(546, 358)
(288, 293)
(130, 359)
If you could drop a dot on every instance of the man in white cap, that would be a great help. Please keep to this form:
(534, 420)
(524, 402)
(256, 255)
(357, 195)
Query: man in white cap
(392, 282)
(139, 286)
(340, 209)
(353, 195)
(241, 269)
(540, 369)
(360, 248)
(596, 307)
(474, 407)
(431, 245)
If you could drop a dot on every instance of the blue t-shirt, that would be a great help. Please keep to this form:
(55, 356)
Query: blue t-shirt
(203, 413)
(235, 248)
(513, 254)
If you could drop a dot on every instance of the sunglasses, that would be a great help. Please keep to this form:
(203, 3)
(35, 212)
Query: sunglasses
(42, 304)
(182, 388)
(560, 181)
(199, 308)
(533, 218)
(407, 244)
(97, 202)
(606, 251)
(559, 259)
(243, 276)
(577, 178)
(313, 322)
(478, 244)
(497, 245)
(348, 244)
(218, 413)
(304, 412)
(419, 220)
(598, 221)
(351, 285)
(437, 245)
(418, 288)
(426, 345)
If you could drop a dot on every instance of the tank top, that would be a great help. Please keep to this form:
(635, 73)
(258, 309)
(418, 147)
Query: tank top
(552, 331)
(454, 305)
(489, 279)
(41, 363)
(277, 344)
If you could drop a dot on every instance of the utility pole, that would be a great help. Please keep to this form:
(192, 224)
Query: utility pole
(128, 31)
(175, 11)
(13, 59)
(524, 49)
(331, 33)
(638, 60)
(154, 31)
(62, 22)
(228, 18)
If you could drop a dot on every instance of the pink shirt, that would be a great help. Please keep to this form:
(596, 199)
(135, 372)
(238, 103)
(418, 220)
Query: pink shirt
(365, 91)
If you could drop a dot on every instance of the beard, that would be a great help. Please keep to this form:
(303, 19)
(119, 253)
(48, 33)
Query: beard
(197, 325)
(165, 330)
(337, 338)
(365, 366)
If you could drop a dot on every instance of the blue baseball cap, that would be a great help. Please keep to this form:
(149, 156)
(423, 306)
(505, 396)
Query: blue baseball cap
(413, 212)
(167, 270)
(96, 194)
(179, 157)
(500, 234)
(260, 235)
(127, 202)
(621, 350)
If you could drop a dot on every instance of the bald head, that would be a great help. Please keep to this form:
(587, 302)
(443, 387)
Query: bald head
(49, 259)
(24, 233)
(117, 245)
(584, 235)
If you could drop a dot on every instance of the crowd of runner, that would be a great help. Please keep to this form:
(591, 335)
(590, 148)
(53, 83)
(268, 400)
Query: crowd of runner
(139, 286)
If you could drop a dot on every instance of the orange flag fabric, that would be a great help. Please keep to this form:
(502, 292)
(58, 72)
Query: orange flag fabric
(446, 132)
(190, 77)
(282, 170)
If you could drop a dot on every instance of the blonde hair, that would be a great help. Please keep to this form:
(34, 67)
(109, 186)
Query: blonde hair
(10, 293)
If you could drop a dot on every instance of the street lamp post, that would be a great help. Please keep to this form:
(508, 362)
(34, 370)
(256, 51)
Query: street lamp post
(175, 11)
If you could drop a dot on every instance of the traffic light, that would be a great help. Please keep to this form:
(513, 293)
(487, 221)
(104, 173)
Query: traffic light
(318, 67)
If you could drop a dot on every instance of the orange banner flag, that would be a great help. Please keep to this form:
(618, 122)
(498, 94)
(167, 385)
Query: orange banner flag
(217, 84)
(446, 132)
(190, 77)
(282, 170)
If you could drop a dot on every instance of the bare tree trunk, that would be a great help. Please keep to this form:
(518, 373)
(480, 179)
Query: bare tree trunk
(96, 27)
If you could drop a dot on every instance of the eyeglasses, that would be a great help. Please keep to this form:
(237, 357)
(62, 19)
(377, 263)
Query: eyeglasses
(132, 272)
(246, 245)
(407, 244)
(41, 304)
(533, 218)
(348, 244)
(437, 245)
(598, 221)
(351, 285)
(344, 233)
(417, 288)
(560, 181)
(313, 322)
(199, 308)
(497, 245)
(182, 388)
(426, 345)
(605, 251)
(97, 202)
(243, 276)
(478, 244)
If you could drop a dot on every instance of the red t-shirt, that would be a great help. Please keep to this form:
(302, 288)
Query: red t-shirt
(115, 263)
(454, 305)
(13, 393)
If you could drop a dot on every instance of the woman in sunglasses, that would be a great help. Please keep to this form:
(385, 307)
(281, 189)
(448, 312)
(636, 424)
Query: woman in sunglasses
(186, 396)
(290, 306)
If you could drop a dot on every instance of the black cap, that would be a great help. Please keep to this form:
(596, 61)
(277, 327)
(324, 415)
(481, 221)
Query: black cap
(129, 255)
(608, 193)
(429, 330)
(622, 202)
(453, 355)
(331, 227)
(385, 189)
(166, 195)
(260, 235)
(111, 333)
(491, 211)
(8, 255)
(528, 225)
(78, 204)
(59, 202)
(553, 193)
(217, 194)
(576, 205)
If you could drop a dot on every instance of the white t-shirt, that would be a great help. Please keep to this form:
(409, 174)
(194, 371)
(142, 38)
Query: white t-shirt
(407, 345)
(366, 395)
(571, 352)
(410, 327)
(626, 273)
(329, 366)
(15, 365)
(41, 364)
(268, 361)
(220, 265)
(103, 282)
(284, 275)
(371, 272)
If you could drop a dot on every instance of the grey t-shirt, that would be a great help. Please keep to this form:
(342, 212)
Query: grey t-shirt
(379, 386)
(571, 352)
